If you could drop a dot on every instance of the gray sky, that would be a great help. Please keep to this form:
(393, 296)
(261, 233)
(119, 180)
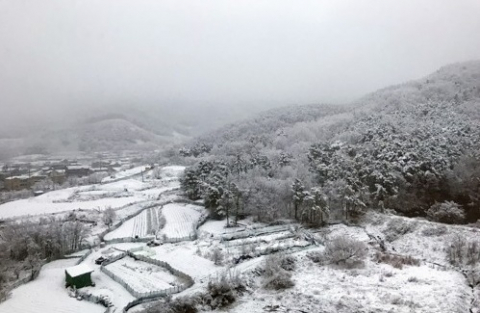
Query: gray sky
(57, 55)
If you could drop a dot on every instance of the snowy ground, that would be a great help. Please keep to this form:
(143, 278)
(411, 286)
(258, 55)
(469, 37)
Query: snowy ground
(38, 205)
(143, 277)
(91, 197)
(185, 257)
(48, 294)
(172, 171)
(143, 225)
(374, 287)
(124, 174)
(181, 219)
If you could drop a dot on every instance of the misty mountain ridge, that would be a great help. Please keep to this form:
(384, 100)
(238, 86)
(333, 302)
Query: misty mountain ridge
(142, 127)
(453, 89)
(93, 128)
(405, 147)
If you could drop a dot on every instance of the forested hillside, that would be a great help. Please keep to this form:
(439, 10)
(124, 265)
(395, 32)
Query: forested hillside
(413, 148)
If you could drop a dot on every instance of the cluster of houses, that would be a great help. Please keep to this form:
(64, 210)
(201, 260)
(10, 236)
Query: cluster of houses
(20, 175)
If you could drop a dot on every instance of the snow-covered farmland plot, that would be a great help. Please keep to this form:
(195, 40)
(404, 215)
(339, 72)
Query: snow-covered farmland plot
(181, 219)
(124, 174)
(47, 293)
(183, 257)
(143, 277)
(143, 225)
(264, 244)
(45, 205)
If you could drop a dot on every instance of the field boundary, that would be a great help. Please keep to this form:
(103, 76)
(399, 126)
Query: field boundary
(148, 296)
(123, 220)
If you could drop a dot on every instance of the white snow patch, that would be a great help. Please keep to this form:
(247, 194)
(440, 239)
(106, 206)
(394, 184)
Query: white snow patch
(78, 270)
(47, 293)
(181, 219)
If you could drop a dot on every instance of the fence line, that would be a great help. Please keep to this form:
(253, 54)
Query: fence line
(143, 239)
(148, 205)
(147, 296)
(128, 240)
(269, 250)
(254, 232)
(83, 257)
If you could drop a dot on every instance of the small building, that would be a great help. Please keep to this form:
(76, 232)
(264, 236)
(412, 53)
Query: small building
(78, 276)
(15, 183)
(78, 170)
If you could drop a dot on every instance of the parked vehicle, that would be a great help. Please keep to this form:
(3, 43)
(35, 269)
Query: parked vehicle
(100, 260)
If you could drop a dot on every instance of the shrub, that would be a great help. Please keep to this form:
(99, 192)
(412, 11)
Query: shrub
(398, 227)
(161, 222)
(4, 293)
(217, 256)
(345, 251)
(108, 217)
(280, 280)
(276, 261)
(316, 257)
(223, 290)
(461, 252)
(473, 276)
(395, 260)
(185, 304)
(446, 212)
(275, 271)
(435, 231)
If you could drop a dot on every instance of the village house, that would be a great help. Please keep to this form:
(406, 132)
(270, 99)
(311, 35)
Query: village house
(78, 170)
(58, 176)
(15, 183)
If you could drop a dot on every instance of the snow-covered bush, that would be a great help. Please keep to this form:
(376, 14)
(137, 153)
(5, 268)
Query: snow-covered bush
(461, 252)
(161, 222)
(185, 304)
(395, 260)
(345, 251)
(223, 290)
(108, 217)
(275, 271)
(446, 212)
(217, 256)
(397, 228)
(279, 280)
(435, 231)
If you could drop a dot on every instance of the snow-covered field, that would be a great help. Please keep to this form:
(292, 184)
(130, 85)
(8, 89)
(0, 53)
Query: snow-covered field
(48, 294)
(181, 219)
(124, 174)
(128, 184)
(91, 197)
(43, 205)
(372, 288)
(218, 228)
(143, 277)
(183, 256)
(143, 225)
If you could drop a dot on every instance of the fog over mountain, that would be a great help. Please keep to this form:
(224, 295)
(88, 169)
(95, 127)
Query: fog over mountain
(192, 66)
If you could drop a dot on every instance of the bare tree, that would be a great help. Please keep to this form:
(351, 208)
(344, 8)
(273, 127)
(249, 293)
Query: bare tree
(108, 217)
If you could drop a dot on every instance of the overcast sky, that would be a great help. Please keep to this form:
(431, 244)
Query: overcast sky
(56, 55)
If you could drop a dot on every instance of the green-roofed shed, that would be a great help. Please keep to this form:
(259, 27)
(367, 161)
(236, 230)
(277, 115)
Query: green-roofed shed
(78, 276)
